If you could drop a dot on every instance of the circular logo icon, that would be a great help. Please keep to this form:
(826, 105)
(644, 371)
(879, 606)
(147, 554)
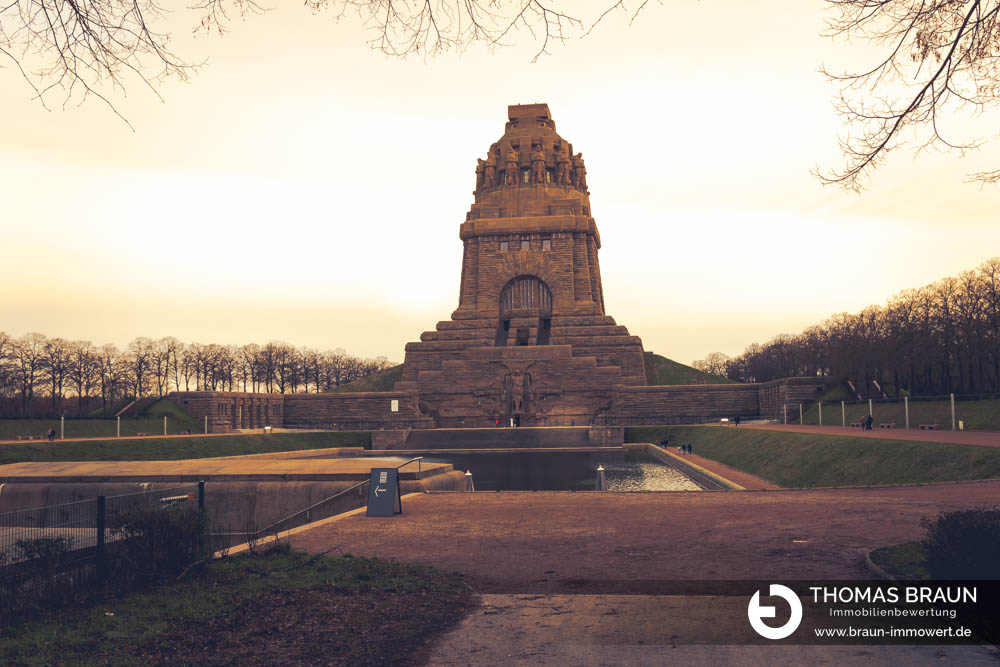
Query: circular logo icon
(755, 612)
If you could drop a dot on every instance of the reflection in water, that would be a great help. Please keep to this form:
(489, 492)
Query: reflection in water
(565, 471)
(642, 476)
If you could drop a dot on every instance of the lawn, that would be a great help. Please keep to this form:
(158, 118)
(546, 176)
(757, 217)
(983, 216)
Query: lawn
(178, 421)
(282, 607)
(807, 460)
(173, 449)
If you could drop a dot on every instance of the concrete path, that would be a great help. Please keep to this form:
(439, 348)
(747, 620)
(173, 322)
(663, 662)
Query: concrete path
(980, 438)
(598, 630)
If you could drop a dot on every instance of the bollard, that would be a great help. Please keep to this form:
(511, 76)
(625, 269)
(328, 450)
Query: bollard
(820, 406)
(953, 412)
(602, 483)
(469, 485)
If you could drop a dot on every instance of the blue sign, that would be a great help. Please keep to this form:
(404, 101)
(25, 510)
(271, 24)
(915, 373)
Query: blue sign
(383, 493)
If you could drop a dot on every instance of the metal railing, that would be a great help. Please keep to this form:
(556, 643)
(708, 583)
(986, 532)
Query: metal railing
(336, 504)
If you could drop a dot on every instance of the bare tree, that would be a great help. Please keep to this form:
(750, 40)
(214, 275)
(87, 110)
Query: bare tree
(29, 359)
(82, 372)
(940, 57)
(140, 361)
(714, 363)
(74, 49)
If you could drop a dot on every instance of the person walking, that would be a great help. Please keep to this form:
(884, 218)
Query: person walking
(868, 423)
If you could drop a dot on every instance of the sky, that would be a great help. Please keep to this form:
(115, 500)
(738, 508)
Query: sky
(304, 187)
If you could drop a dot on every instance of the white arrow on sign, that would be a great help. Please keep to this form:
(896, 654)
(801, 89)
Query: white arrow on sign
(377, 489)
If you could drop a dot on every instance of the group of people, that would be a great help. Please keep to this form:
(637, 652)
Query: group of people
(681, 449)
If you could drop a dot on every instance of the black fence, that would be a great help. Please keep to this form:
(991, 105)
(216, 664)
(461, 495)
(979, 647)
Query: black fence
(50, 554)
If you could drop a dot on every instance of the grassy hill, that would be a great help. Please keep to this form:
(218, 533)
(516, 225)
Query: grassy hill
(381, 381)
(806, 460)
(174, 449)
(661, 371)
(150, 421)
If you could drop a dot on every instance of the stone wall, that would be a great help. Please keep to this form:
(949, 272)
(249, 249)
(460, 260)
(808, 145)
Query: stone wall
(789, 392)
(683, 404)
(361, 411)
(229, 411)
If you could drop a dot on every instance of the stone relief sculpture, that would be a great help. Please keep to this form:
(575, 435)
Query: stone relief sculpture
(516, 392)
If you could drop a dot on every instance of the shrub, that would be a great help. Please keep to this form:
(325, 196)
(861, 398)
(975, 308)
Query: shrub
(150, 544)
(964, 544)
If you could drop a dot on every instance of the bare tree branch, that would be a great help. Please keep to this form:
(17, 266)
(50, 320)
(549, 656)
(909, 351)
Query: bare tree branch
(942, 59)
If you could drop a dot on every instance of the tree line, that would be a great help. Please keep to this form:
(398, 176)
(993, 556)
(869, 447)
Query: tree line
(940, 338)
(41, 375)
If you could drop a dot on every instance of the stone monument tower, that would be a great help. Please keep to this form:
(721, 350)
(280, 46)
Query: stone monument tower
(530, 340)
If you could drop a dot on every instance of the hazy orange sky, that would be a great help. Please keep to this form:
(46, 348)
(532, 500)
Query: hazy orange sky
(303, 187)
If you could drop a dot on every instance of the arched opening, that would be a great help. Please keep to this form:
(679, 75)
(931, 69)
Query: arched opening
(524, 298)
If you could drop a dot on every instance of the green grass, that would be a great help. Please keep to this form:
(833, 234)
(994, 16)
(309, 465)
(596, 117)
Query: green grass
(807, 460)
(977, 415)
(382, 381)
(173, 449)
(252, 609)
(903, 561)
(663, 371)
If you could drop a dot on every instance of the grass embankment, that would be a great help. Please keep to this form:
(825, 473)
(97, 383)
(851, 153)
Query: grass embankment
(806, 460)
(174, 449)
(280, 608)
(977, 415)
(663, 371)
(178, 421)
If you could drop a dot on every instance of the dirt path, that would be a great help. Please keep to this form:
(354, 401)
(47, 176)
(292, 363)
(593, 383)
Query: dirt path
(564, 542)
(744, 479)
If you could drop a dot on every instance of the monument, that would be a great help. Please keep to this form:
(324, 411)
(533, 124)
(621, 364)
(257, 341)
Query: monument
(530, 343)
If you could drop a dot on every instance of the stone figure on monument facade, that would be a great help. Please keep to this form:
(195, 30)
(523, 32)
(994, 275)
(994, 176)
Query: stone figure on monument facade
(579, 172)
(562, 168)
(480, 174)
(491, 171)
(511, 166)
(537, 165)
